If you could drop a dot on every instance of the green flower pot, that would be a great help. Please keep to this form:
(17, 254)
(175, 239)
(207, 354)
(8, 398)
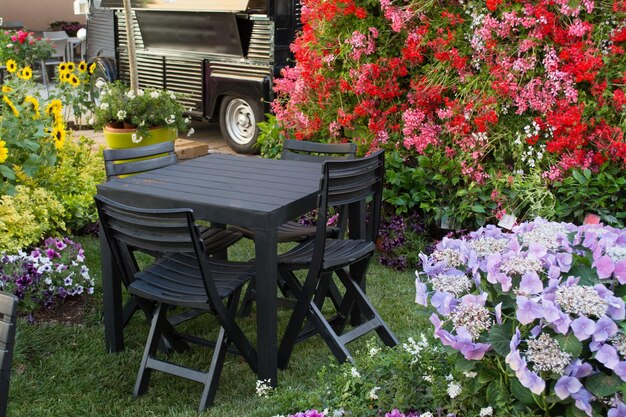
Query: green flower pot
(121, 138)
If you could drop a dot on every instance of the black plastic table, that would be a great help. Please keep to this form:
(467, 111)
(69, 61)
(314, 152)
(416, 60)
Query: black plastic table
(257, 193)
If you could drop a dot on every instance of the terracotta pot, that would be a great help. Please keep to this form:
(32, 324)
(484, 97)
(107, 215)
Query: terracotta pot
(120, 138)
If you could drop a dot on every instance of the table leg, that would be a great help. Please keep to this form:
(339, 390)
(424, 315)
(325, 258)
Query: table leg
(112, 296)
(357, 230)
(266, 248)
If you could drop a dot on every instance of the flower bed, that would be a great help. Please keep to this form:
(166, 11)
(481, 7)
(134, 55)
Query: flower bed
(486, 108)
(537, 314)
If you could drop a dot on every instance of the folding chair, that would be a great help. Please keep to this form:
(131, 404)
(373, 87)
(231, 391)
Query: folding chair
(8, 307)
(292, 231)
(181, 275)
(60, 43)
(119, 163)
(343, 183)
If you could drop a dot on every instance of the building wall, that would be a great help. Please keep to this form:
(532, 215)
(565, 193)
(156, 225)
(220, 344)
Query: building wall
(37, 15)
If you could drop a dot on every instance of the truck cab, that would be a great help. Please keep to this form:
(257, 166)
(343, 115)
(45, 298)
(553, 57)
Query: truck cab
(221, 54)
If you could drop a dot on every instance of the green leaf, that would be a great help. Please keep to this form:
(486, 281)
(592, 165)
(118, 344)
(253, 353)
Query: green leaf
(496, 393)
(486, 375)
(587, 174)
(7, 172)
(500, 338)
(603, 385)
(570, 344)
(477, 208)
(574, 412)
(464, 365)
(579, 177)
(522, 394)
(588, 276)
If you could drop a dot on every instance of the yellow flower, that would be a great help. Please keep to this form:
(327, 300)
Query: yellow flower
(62, 67)
(25, 73)
(4, 152)
(58, 134)
(71, 66)
(55, 106)
(11, 106)
(92, 68)
(74, 81)
(11, 66)
(6, 89)
(82, 66)
(33, 102)
(64, 76)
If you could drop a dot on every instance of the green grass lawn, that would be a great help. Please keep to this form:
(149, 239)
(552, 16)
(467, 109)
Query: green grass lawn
(64, 370)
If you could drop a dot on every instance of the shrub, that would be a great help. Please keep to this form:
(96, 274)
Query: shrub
(536, 314)
(47, 275)
(19, 47)
(27, 216)
(73, 89)
(473, 97)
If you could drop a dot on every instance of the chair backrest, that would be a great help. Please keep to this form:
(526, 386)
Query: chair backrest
(347, 182)
(124, 162)
(154, 231)
(8, 307)
(55, 35)
(298, 150)
(60, 48)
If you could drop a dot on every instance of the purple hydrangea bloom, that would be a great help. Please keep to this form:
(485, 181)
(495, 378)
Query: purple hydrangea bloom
(619, 411)
(607, 355)
(604, 266)
(605, 328)
(527, 310)
(394, 413)
(583, 328)
(567, 385)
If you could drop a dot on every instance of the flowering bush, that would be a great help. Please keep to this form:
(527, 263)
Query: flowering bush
(46, 275)
(23, 48)
(478, 97)
(537, 314)
(119, 106)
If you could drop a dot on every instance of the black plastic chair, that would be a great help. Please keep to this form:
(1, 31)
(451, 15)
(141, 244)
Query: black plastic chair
(8, 307)
(297, 150)
(181, 275)
(343, 183)
(125, 162)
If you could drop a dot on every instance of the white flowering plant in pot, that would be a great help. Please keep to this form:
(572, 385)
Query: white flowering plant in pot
(536, 314)
(121, 107)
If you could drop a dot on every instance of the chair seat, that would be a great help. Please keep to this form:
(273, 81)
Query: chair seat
(290, 231)
(216, 240)
(176, 279)
(337, 253)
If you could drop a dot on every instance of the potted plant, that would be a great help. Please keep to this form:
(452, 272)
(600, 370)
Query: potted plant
(140, 118)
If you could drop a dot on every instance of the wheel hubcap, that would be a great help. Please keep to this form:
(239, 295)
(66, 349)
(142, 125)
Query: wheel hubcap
(240, 121)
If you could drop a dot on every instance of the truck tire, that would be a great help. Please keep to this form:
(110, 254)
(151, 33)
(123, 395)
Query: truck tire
(238, 122)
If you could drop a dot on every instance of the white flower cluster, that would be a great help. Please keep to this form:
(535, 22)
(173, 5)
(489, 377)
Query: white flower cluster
(487, 411)
(546, 355)
(474, 317)
(454, 389)
(545, 234)
(619, 342)
(520, 265)
(415, 348)
(581, 300)
(454, 284)
(263, 388)
(450, 256)
(487, 245)
(616, 253)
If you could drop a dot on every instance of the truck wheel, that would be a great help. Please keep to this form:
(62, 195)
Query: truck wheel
(238, 119)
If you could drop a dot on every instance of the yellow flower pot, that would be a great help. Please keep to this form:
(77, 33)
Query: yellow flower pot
(121, 138)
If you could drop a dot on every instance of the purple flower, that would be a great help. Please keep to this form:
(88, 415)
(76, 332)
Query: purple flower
(620, 271)
(582, 400)
(607, 355)
(553, 315)
(531, 284)
(567, 385)
(604, 266)
(578, 369)
(498, 310)
(605, 328)
(421, 291)
(619, 411)
(583, 328)
(527, 310)
(443, 302)
(394, 413)
(620, 370)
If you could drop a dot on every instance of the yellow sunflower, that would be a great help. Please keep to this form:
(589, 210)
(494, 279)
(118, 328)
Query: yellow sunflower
(11, 66)
(74, 81)
(82, 66)
(33, 102)
(55, 106)
(4, 152)
(62, 67)
(58, 134)
(25, 73)
(92, 68)
(71, 66)
(11, 106)
(6, 89)
(64, 76)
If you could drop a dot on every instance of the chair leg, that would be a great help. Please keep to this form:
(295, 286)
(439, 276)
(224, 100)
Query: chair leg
(213, 376)
(143, 376)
